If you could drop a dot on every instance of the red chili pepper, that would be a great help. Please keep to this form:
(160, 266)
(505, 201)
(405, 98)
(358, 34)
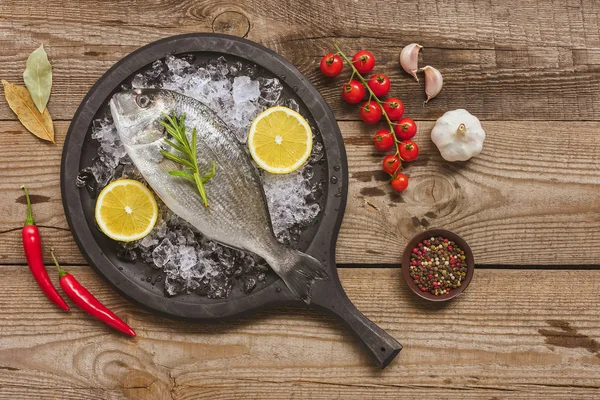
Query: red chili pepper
(87, 302)
(33, 252)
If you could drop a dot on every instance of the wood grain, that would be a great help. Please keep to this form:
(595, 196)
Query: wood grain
(507, 61)
(530, 189)
(529, 70)
(481, 345)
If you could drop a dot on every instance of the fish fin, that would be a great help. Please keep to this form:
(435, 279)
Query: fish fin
(303, 272)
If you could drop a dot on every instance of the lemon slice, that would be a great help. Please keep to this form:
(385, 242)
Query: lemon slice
(126, 210)
(280, 140)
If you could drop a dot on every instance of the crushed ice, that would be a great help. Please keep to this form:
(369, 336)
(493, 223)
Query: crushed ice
(192, 263)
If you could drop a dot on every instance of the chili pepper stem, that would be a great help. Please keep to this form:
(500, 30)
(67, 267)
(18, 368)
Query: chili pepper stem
(371, 96)
(29, 220)
(61, 272)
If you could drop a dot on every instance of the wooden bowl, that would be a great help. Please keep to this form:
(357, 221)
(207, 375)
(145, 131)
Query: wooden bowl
(447, 235)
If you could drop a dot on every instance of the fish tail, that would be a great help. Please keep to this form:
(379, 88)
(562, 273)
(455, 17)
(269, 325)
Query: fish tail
(301, 273)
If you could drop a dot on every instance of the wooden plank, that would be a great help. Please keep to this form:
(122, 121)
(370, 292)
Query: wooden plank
(514, 334)
(540, 64)
(528, 196)
(504, 202)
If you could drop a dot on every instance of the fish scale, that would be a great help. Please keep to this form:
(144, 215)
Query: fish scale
(237, 215)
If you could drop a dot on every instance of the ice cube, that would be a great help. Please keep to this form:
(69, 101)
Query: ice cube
(174, 285)
(84, 177)
(292, 104)
(148, 241)
(270, 91)
(235, 68)
(155, 70)
(252, 70)
(139, 81)
(188, 259)
(317, 152)
(202, 75)
(161, 229)
(222, 67)
(101, 173)
(176, 65)
(249, 285)
(163, 253)
(245, 89)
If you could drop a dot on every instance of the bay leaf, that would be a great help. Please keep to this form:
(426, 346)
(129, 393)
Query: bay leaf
(38, 77)
(19, 100)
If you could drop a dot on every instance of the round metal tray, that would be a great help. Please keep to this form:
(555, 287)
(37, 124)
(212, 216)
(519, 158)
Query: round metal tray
(138, 281)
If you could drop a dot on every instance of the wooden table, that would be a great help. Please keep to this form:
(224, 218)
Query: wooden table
(527, 327)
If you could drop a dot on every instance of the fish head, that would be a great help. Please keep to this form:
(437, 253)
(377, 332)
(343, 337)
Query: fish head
(136, 114)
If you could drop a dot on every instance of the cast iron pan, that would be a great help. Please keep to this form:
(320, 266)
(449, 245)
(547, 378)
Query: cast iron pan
(138, 281)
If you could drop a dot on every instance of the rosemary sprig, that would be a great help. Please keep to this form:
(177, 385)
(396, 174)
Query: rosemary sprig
(176, 128)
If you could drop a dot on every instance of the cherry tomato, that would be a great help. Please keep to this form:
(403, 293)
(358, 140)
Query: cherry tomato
(405, 129)
(383, 140)
(408, 150)
(400, 182)
(353, 92)
(393, 108)
(391, 164)
(331, 65)
(370, 112)
(363, 61)
(379, 84)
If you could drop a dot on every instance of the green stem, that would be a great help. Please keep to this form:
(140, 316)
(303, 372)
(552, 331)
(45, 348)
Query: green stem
(61, 272)
(372, 96)
(29, 220)
(200, 187)
(352, 76)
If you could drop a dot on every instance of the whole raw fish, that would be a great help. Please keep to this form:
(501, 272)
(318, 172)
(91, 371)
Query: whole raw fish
(237, 215)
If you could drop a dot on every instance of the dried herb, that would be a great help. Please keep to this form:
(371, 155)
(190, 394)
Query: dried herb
(19, 100)
(38, 77)
(176, 128)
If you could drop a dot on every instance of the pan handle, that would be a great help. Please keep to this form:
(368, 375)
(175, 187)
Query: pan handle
(380, 345)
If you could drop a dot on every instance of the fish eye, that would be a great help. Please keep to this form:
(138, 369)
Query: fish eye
(143, 100)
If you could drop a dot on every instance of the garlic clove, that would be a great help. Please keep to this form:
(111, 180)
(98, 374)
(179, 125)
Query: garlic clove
(433, 82)
(409, 59)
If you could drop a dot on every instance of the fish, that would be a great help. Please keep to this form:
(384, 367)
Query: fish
(237, 215)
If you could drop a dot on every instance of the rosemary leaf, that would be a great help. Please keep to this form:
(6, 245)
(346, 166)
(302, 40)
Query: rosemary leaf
(201, 190)
(175, 146)
(182, 174)
(178, 160)
(211, 174)
(194, 136)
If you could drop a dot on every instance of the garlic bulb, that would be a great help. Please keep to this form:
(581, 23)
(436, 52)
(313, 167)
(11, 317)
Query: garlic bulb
(409, 59)
(458, 135)
(433, 82)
